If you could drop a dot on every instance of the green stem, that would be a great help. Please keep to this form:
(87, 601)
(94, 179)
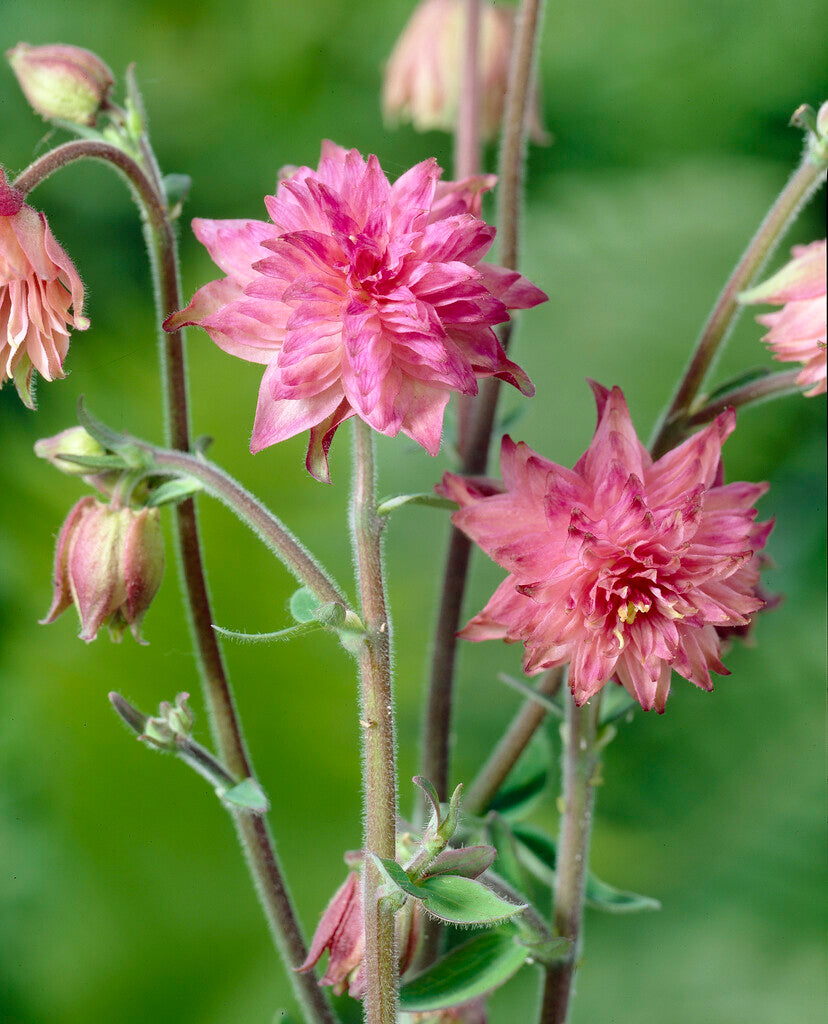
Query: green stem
(775, 385)
(252, 830)
(799, 188)
(268, 527)
(580, 759)
(503, 758)
(377, 720)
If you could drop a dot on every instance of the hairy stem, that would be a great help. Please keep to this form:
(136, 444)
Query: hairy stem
(253, 832)
(503, 758)
(267, 526)
(379, 758)
(580, 759)
(437, 720)
(799, 188)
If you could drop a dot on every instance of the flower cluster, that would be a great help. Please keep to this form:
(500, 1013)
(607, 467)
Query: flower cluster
(38, 287)
(622, 566)
(797, 331)
(361, 298)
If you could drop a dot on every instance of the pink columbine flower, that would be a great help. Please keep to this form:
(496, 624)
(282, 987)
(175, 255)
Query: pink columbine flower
(361, 298)
(342, 933)
(108, 564)
(621, 566)
(797, 331)
(38, 287)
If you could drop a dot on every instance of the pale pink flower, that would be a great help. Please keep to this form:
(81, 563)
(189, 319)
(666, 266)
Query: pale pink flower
(424, 75)
(38, 287)
(361, 298)
(620, 566)
(797, 331)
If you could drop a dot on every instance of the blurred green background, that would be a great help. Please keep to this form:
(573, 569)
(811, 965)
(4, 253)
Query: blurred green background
(122, 893)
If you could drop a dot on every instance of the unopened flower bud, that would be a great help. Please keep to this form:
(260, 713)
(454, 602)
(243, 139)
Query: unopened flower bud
(108, 563)
(423, 77)
(62, 82)
(74, 441)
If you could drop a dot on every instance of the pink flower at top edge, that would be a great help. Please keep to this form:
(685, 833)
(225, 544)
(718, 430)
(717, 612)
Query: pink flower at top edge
(797, 331)
(38, 287)
(621, 566)
(360, 298)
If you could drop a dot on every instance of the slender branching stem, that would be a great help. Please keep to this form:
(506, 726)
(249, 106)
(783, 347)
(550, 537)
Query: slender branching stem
(267, 526)
(775, 385)
(502, 759)
(437, 720)
(252, 829)
(377, 721)
(799, 188)
(580, 759)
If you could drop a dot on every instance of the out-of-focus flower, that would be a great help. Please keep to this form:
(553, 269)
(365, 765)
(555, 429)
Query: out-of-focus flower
(342, 932)
(473, 1012)
(424, 74)
(38, 287)
(108, 563)
(621, 566)
(62, 82)
(797, 331)
(362, 298)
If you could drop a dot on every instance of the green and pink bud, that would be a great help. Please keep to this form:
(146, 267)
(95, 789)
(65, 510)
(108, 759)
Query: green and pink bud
(65, 83)
(108, 564)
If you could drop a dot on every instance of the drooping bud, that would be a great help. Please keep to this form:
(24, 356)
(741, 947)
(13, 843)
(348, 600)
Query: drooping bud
(108, 563)
(62, 82)
(423, 77)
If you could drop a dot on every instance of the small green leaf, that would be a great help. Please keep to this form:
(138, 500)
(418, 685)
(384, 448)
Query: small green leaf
(739, 381)
(526, 781)
(431, 794)
(247, 794)
(100, 431)
(601, 896)
(467, 972)
(94, 461)
(395, 875)
(469, 861)
(516, 684)
(174, 491)
(176, 188)
(459, 900)
(387, 505)
(300, 629)
(303, 605)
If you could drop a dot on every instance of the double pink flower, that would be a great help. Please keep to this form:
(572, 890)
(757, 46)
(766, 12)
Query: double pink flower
(41, 294)
(360, 298)
(622, 566)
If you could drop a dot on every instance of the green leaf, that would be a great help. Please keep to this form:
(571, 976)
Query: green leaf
(100, 431)
(249, 795)
(176, 187)
(526, 781)
(459, 900)
(469, 861)
(174, 491)
(94, 461)
(739, 381)
(387, 505)
(470, 970)
(303, 605)
(599, 895)
(516, 684)
(300, 629)
(395, 875)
